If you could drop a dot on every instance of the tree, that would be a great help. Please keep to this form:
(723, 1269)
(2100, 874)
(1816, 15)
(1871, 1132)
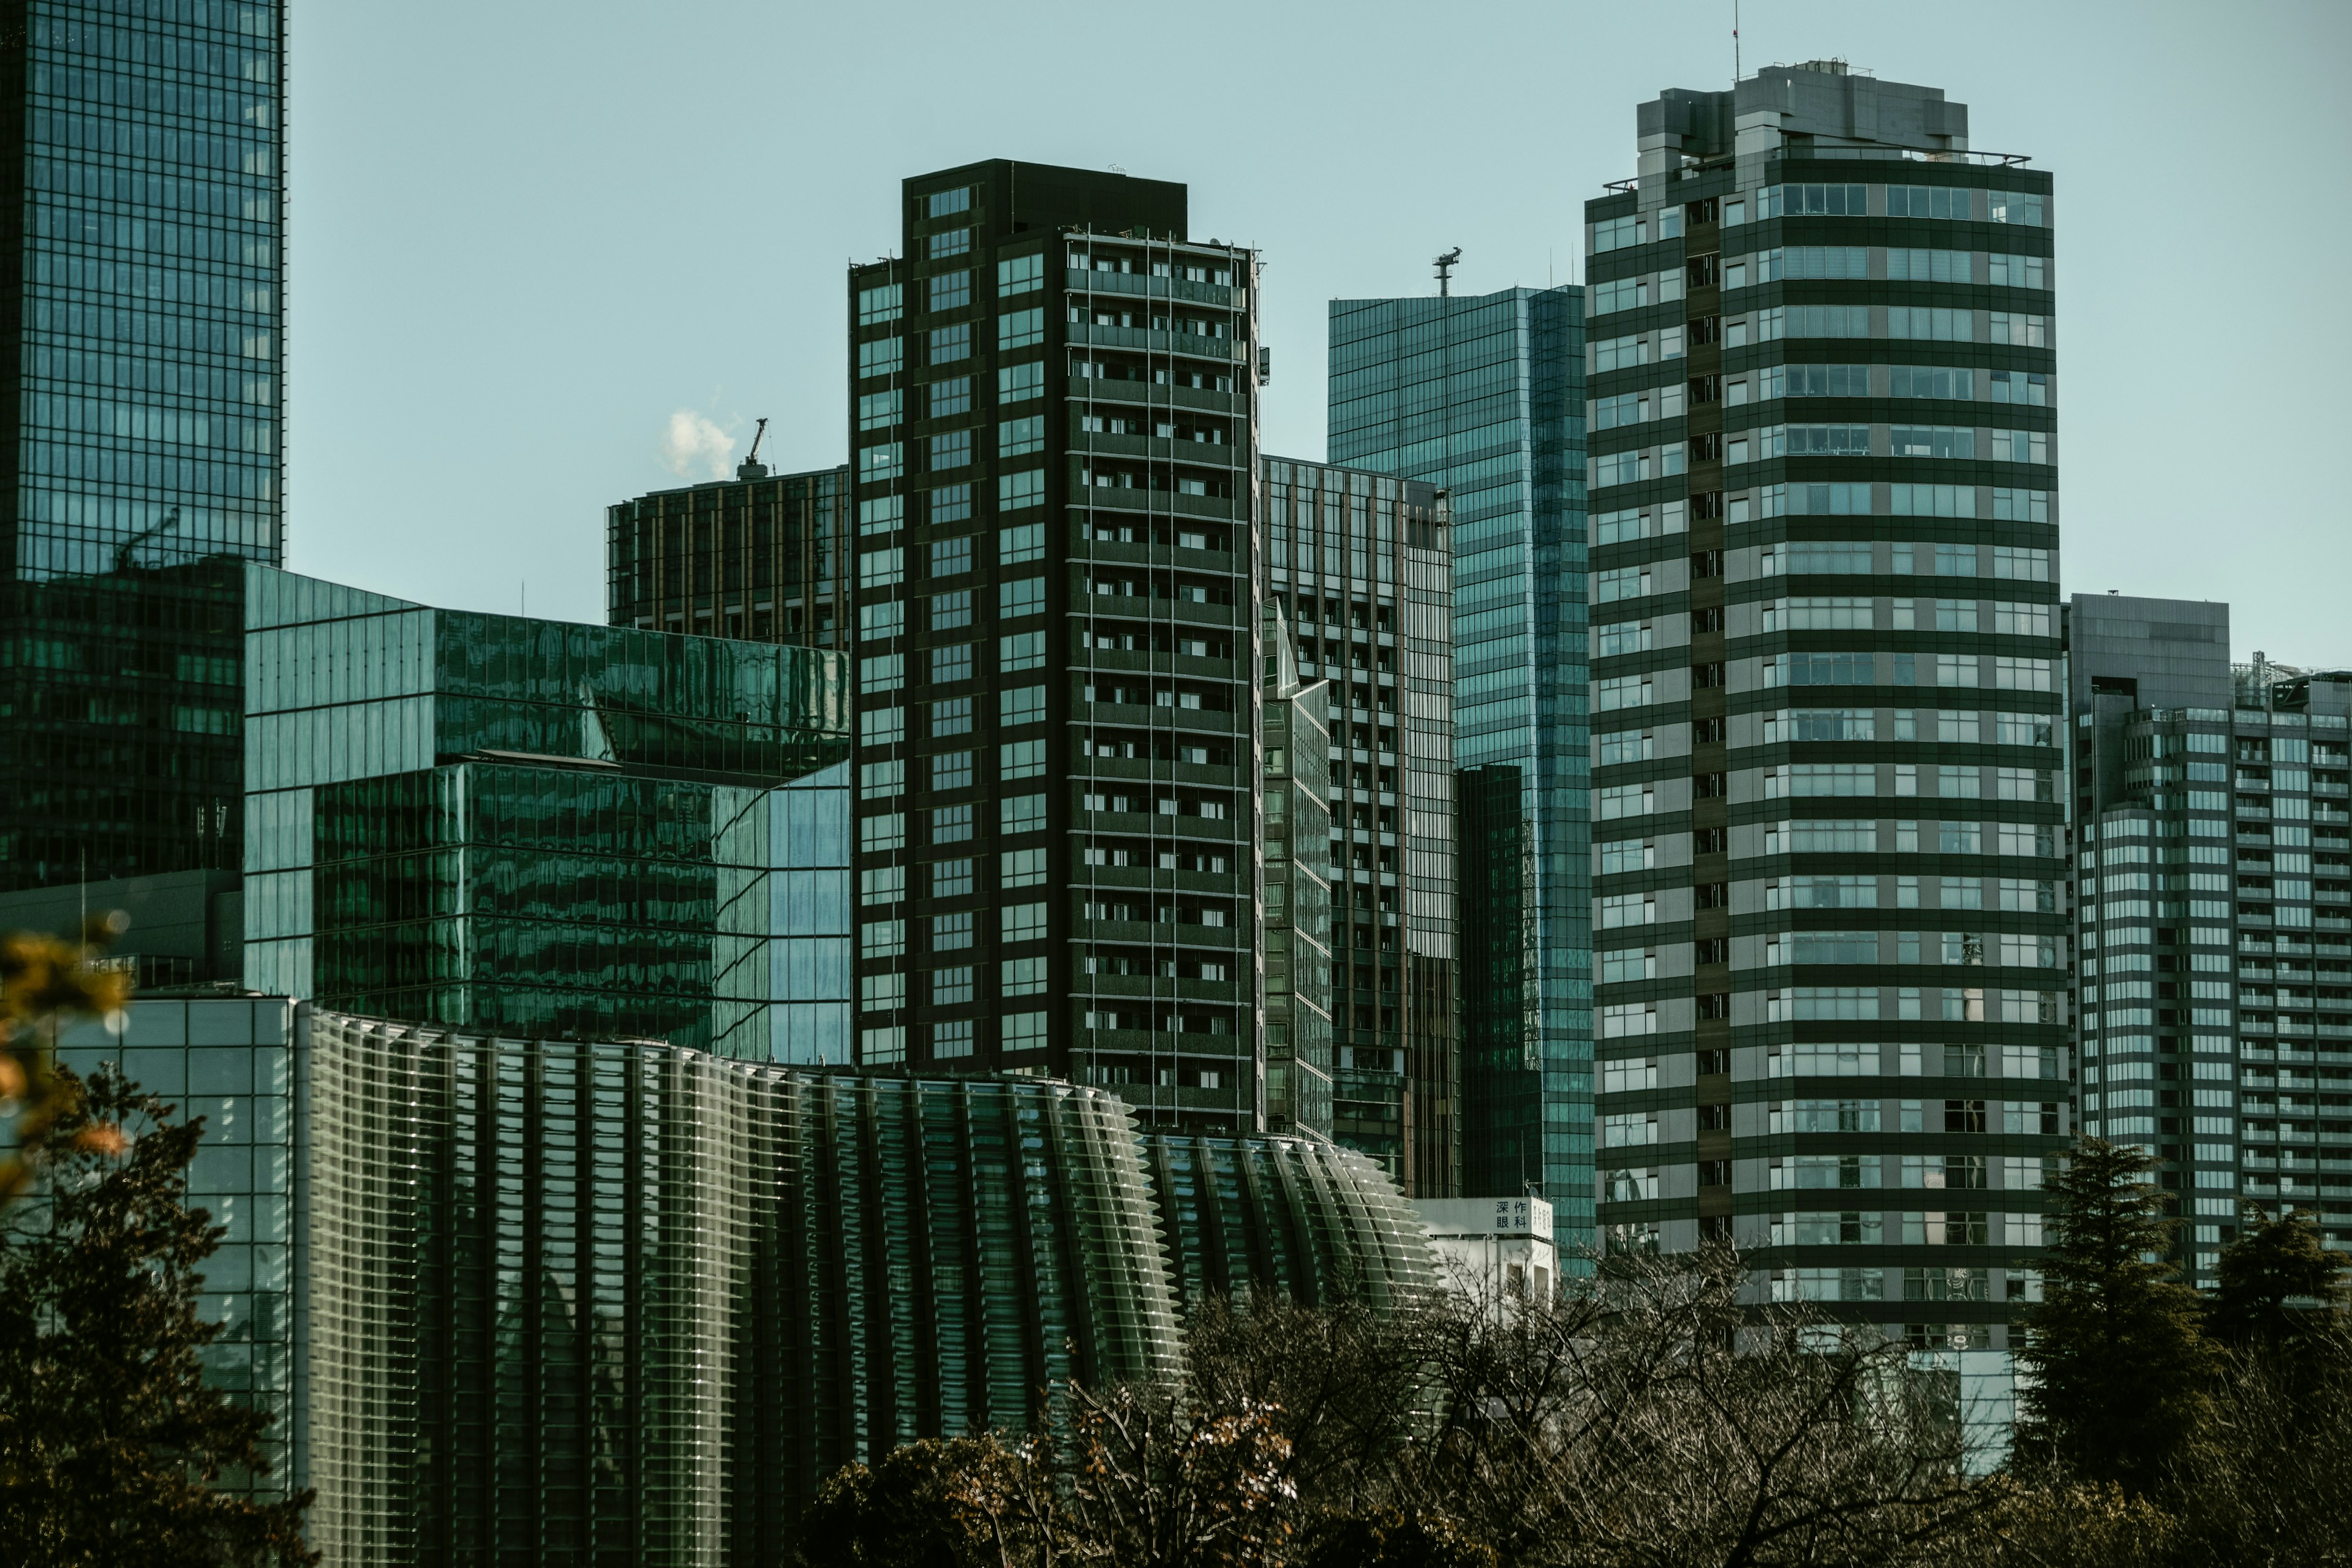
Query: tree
(2119, 1370)
(111, 1443)
(43, 982)
(2276, 1260)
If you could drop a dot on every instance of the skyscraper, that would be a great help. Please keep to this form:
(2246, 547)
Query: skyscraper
(142, 195)
(2213, 913)
(1483, 399)
(761, 557)
(1361, 567)
(1831, 998)
(1053, 440)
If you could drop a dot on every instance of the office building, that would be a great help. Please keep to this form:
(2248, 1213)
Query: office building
(621, 1301)
(1830, 997)
(1359, 566)
(760, 556)
(496, 822)
(1484, 398)
(1053, 454)
(144, 164)
(1493, 1249)
(1295, 790)
(2213, 913)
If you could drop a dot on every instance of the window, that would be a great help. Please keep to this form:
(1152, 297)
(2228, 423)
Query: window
(2020, 271)
(1024, 977)
(1022, 596)
(1620, 294)
(950, 396)
(878, 410)
(950, 932)
(2015, 206)
(1019, 382)
(2021, 446)
(1813, 558)
(1932, 501)
(952, 769)
(2020, 506)
(880, 568)
(1016, 491)
(875, 622)
(1022, 814)
(1817, 322)
(942, 203)
(1822, 381)
(951, 717)
(883, 780)
(1928, 201)
(1617, 233)
(1023, 542)
(949, 344)
(882, 939)
(950, 242)
(950, 879)
(881, 514)
(1022, 868)
(1020, 759)
(2021, 386)
(1022, 922)
(1020, 275)
(1931, 322)
(1611, 412)
(882, 885)
(950, 557)
(1929, 266)
(950, 986)
(1021, 705)
(1617, 354)
(2028, 331)
(1018, 437)
(886, 303)
(1824, 893)
(1813, 261)
(1020, 328)
(951, 291)
(951, 449)
(1816, 441)
(954, 1037)
(875, 833)
(1929, 380)
(1835, 201)
(882, 356)
(881, 672)
(950, 663)
(881, 992)
(1025, 1031)
(1817, 615)
(1021, 651)
(950, 611)
(879, 463)
(1932, 441)
(951, 823)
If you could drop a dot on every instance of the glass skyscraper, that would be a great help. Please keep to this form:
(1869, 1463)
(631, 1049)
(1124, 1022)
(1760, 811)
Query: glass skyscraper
(1831, 990)
(141, 194)
(1484, 398)
(490, 822)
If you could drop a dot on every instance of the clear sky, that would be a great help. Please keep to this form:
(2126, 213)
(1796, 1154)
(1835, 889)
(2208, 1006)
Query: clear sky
(547, 257)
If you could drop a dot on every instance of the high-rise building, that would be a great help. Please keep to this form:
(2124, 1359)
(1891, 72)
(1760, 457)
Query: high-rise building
(1296, 792)
(760, 556)
(1484, 398)
(2213, 913)
(496, 822)
(1053, 439)
(142, 264)
(1359, 565)
(1831, 990)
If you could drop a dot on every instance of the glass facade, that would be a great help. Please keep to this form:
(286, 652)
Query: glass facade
(1827, 701)
(1484, 398)
(142, 217)
(2214, 915)
(1360, 565)
(1053, 424)
(229, 1060)
(483, 821)
(1297, 894)
(759, 556)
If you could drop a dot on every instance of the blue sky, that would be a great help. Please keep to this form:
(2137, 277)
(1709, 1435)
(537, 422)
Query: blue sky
(534, 244)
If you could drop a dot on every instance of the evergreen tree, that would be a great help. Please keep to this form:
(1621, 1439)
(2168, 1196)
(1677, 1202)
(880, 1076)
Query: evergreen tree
(112, 1444)
(2119, 1369)
(2274, 1261)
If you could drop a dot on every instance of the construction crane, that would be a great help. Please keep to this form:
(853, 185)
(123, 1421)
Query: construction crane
(751, 467)
(122, 551)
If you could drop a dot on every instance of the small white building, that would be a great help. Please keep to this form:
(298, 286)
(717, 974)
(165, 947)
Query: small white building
(1494, 1246)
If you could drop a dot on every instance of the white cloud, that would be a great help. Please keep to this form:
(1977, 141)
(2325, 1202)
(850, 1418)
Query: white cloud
(694, 448)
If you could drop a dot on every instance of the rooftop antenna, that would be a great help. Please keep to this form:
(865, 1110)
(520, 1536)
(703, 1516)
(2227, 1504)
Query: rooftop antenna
(1445, 265)
(1735, 43)
(750, 468)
